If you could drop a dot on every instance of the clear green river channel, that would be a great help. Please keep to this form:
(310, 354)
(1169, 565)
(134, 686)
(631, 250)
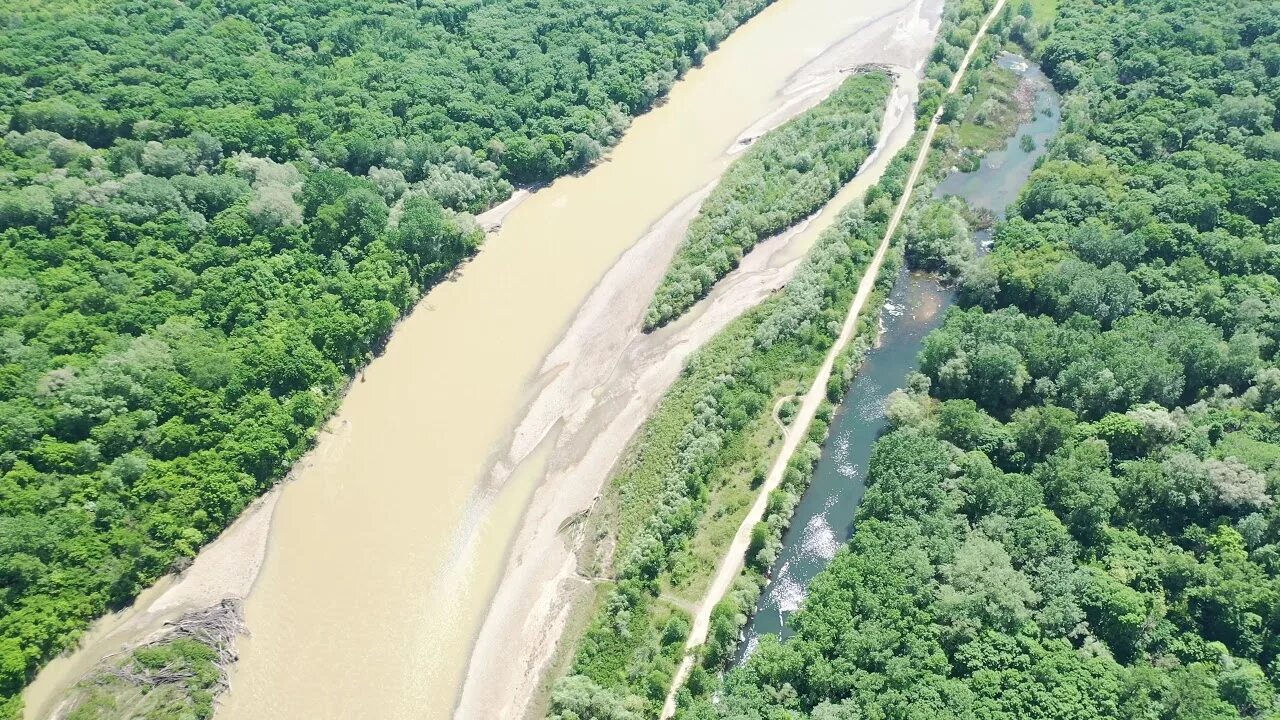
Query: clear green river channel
(823, 521)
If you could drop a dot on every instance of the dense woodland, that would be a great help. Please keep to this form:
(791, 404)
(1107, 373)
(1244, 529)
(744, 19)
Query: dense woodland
(783, 177)
(212, 214)
(1075, 515)
(536, 87)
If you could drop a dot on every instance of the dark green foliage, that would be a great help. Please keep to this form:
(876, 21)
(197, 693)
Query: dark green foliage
(1081, 520)
(785, 176)
(537, 88)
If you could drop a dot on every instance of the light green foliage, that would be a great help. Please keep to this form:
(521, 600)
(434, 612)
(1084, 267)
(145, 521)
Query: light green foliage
(175, 680)
(990, 115)
(578, 698)
(785, 176)
(938, 237)
(960, 22)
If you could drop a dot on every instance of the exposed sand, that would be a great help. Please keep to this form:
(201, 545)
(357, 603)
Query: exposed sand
(605, 377)
(491, 220)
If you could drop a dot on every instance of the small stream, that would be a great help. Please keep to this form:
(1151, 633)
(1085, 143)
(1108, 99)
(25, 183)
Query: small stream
(823, 521)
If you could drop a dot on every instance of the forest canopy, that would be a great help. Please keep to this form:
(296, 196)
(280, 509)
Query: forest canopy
(537, 88)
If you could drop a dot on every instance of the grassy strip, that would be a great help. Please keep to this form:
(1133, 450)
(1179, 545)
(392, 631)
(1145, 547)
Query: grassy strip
(787, 175)
(990, 113)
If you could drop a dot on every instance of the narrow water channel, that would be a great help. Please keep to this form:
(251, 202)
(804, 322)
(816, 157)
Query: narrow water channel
(823, 520)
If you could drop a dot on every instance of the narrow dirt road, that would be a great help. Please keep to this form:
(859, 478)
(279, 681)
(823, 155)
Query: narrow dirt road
(731, 564)
(777, 408)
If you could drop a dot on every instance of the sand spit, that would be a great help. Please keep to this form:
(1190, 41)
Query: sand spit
(605, 377)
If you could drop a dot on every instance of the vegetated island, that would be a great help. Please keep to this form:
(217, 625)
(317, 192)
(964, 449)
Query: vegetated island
(783, 177)
(691, 474)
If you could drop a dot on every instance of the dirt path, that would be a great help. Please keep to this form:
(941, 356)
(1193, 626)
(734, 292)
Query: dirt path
(777, 407)
(732, 563)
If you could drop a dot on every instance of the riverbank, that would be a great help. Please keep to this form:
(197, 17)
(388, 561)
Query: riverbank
(787, 174)
(376, 569)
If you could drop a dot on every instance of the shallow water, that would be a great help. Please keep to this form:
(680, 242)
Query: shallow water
(997, 182)
(823, 520)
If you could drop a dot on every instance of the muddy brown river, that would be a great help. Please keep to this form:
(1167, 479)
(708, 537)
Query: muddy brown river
(384, 550)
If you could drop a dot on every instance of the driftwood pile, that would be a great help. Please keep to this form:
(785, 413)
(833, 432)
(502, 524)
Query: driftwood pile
(216, 627)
